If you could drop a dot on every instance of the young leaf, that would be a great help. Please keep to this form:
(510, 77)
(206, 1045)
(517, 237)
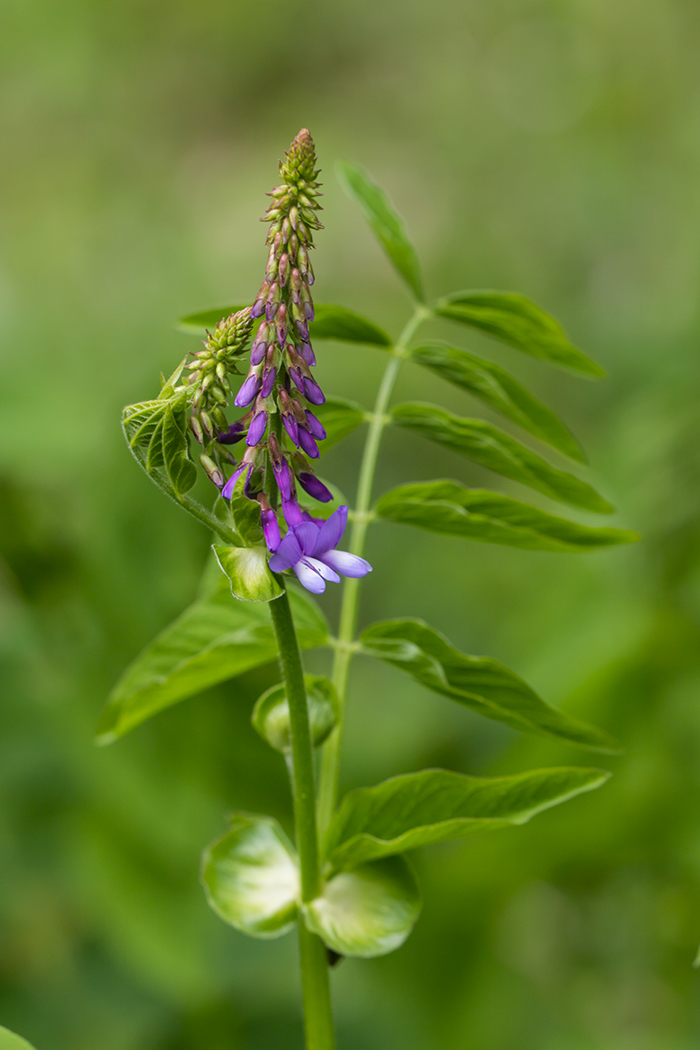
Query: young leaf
(388, 227)
(335, 322)
(10, 1041)
(339, 417)
(179, 468)
(271, 713)
(477, 682)
(417, 809)
(246, 515)
(366, 912)
(248, 572)
(495, 386)
(476, 514)
(490, 447)
(517, 321)
(251, 877)
(216, 638)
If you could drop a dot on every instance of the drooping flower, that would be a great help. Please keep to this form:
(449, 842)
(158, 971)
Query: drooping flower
(309, 550)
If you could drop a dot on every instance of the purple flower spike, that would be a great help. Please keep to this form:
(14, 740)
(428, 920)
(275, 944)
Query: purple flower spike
(258, 353)
(309, 550)
(315, 488)
(256, 429)
(232, 435)
(268, 382)
(303, 329)
(307, 352)
(271, 530)
(307, 443)
(283, 479)
(309, 311)
(292, 428)
(248, 392)
(313, 392)
(257, 308)
(227, 490)
(315, 426)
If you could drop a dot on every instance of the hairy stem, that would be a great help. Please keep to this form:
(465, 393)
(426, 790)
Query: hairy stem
(318, 1020)
(328, 787)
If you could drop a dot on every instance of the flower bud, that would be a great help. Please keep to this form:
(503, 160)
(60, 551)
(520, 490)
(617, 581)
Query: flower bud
(315, 488)
(257, 428)
(212, 471)
(312, 392)
(196, 428)
(315, 426)
(307, 443)
(249, 391)
(308, 354)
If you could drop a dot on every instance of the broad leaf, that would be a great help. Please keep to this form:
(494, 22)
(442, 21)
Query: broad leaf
(366, 912)
(495, 386)
(420, 808)
(387, 225)
(251, 877)
(248, 572)
(271, 713)
(339, 417)
(491, 448)
(517, 321)
(477, 682)
(335, 322)
(216, 638)
(10, 1041)
(476, 514)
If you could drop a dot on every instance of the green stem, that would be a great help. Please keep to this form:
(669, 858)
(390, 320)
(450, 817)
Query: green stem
(328, 788)
(318, 1019)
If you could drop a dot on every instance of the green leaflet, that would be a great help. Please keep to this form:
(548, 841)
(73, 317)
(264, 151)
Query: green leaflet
(517, 321)
(251, 877)
(270, 716)
(340, 417)
(330, 322)
(10, 1041)
(248, 573)
(420, 808)
(495, 386)
(476, 514)
(366, 912)
(491, 448)
(477, 682)
(216, 638)
(156, 432)
(388, 227)
(245, 514)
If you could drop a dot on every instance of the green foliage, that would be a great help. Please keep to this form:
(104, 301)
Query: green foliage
(157, 435)
(368, 911)
(216, 638)
(448, 507)
(271, 713)
(388, 227)
(251, 877)
(248, 573)
(340, 417)
(491, 448)
(10, 1041)
(417, 809)
(518, 322)
(246, 515)
(477, 682)
(330, 322)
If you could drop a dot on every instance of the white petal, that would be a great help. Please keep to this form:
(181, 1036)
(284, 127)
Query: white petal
(347, 564)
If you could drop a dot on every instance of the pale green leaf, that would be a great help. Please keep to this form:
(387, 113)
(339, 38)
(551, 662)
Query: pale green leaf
(248, 572)
(245, 514)
(366, 912)
(10, 1041)
(271, 713)
(417, 809)
(251, 877)
(477, 682)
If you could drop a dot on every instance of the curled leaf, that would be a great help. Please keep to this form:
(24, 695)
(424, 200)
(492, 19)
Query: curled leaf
(271, 713)
(248, 572)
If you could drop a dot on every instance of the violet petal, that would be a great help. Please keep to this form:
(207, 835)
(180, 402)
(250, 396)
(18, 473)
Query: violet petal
(313, 392)
(309, 578)
(331, 532)
(346, 564)
(315, 426)
(287, 554)
(315, 488)
(308, 444)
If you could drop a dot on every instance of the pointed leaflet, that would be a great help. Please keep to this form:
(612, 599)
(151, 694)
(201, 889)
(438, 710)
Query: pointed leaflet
(270, 716)
(366, 912)
(435, 804)
(447, 507)
(497, 388)
(10, 1041)
(491, 448)
(181, 471)
(330, 322)
(517, 321)
(339, 417)
(475, 681)
(251, 877)
(386, 224)
(216, 638)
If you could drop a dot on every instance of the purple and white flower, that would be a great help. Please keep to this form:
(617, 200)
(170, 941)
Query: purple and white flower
(309, 550)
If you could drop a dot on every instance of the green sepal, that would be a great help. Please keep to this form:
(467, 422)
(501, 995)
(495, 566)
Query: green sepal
(516, 320)
(251, 877)
(366, 912)
(490, 447)
(449, 508)
(214, 639)
(477, 682)
(497, 388)
(10, 1041)
(386, 224)
(270, 716)
(330, 322)
(417, 809)
(248, 572)
(246, 515)
(340, 417)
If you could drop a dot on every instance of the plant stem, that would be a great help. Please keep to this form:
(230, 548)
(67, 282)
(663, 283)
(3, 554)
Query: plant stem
(318, 1019)
(328, 787)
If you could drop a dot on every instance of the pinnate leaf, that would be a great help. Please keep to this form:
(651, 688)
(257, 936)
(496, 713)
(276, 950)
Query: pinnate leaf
(271, 713)
(490, 447)
(495, 386)
(448, 507)
(216, 638)
(477, 682)
(251, 877)
(339, 417)
(366, 912)
(417, 809)
(386, 224)
(516, 320)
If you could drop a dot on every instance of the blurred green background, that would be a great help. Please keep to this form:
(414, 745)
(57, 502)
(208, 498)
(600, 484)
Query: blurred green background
(547, 147)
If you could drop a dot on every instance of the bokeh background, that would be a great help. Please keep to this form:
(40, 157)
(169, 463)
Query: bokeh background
(547, 147)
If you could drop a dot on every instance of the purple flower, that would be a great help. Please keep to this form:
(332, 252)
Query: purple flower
(257, 308)
(227, 490)
(232, 435)
(282, 477)
(307, 352)
(313, 392)
(256, 429)
(307, 443)
(315, 426)
(292, 427)
(315, 488)
(258, 352)
(248, 392)
(309, 549)
(303, 330)
(271, 530)
(268, 381)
